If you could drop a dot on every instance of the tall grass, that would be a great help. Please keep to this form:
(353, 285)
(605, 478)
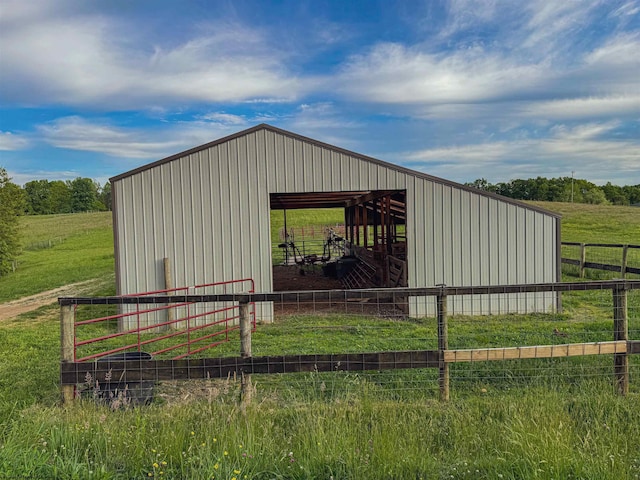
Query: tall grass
(504, 420)
(539, 434)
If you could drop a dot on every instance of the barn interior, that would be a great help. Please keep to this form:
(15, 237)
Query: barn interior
(369, 252)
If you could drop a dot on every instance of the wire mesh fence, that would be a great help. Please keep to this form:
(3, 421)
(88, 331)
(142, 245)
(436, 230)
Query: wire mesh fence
(323, 345)
(599, 261)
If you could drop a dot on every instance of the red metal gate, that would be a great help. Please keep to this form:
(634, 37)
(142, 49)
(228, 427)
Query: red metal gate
(193, 327)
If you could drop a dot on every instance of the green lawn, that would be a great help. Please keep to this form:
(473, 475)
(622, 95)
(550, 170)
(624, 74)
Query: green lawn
(523, 419)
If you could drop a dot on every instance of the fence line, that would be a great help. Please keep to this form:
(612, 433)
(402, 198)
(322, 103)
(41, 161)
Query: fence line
(621, 347)
(623, 268)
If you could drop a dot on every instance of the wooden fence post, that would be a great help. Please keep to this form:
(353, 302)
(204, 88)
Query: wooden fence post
(583, 258)
(621, 332)
(67, 341)
(443, 344)
(623, 267)
(168, 285)
(245, 351)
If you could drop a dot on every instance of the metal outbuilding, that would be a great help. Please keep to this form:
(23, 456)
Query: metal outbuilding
(208, 211)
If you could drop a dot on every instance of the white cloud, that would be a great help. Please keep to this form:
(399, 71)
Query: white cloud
(319, 120)
(393, 73)
(89, 59)
(324, 121)
(542, 52)
(584, 148)
(583, 132)
(76, 133)
(12, 141)
(20, 178)
(612, 106)
(550, 23)
(224, 118)
(463, 15)
(492, 79)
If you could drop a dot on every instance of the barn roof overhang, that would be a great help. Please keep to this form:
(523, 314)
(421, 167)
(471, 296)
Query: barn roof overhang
(293, 201)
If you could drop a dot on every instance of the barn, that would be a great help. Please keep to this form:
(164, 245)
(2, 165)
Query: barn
(207, 212)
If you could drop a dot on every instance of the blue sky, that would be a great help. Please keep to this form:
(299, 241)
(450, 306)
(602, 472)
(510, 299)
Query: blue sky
(459, 89)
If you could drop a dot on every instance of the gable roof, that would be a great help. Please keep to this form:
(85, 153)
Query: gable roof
(264, 126)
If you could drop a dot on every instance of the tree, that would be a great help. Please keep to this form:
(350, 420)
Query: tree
(481, 184)
(594, 196)
(60, 197)
(12, 204)
(105, 196)
(615, 194)
(84, 195)
(632, 192)
(38, 196)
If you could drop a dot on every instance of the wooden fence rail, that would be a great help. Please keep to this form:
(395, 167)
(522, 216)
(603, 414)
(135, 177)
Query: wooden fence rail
(73, 373)
(623, 268)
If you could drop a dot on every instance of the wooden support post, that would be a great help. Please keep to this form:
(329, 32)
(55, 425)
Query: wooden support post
(245, 331)
(383, 222)
(583, 257)
(168, 285)
(245, 351)
(67, 341)
(351, 221)
(365, 227)
(389, 240)
(443, 345)
(621, 332)
(358, 221)
(623, 267)
(376, 218)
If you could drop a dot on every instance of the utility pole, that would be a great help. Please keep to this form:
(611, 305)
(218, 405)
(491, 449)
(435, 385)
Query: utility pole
(571, 186)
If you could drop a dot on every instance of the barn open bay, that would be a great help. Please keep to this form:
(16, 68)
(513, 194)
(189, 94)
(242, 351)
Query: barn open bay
(319, 425)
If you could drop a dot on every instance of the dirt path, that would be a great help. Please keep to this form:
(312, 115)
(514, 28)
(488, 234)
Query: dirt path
(27, 304)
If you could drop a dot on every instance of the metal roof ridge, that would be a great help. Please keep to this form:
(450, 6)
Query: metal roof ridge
(382, 163)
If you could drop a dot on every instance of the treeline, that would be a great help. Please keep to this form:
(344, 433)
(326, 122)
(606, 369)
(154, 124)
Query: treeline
(564, 189)
(44, 197)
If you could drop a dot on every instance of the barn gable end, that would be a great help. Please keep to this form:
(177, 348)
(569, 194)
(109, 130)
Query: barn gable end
(208, 211)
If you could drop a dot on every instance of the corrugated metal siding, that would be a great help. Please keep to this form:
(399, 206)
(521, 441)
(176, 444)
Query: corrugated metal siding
(209, 213)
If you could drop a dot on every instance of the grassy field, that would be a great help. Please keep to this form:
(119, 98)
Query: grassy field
(535, 419)
(597, 223)
(81, 249)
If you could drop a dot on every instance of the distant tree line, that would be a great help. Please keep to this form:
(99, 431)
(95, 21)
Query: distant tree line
(43, 197)
(564, 189)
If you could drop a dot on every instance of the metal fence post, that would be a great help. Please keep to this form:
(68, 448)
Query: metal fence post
(245, 350)
(621, 332)
(67, 344)
(623, 267)
(583, 257)
(443, 344)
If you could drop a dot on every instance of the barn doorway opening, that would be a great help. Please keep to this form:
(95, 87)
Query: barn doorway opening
(329, 240)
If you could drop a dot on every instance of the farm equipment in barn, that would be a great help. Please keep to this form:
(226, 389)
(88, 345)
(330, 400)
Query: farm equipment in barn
(332, 247)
